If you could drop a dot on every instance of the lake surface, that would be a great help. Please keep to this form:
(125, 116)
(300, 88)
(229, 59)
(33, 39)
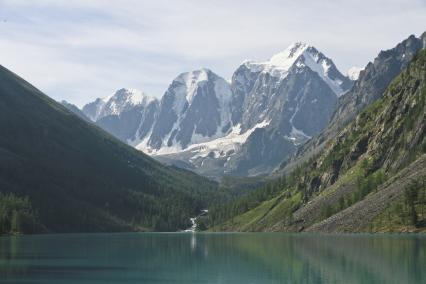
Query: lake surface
(213, 258)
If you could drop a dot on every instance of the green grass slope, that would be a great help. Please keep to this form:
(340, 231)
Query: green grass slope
(59, 173)
(370, 178)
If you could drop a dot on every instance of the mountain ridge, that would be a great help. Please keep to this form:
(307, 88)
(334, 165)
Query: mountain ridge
(373, 80)
(200, 110)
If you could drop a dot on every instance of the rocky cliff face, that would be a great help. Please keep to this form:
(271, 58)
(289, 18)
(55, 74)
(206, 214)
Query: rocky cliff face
(194, 109)
(375, 77)
(388, 132)
(132, 125)
(371, 84)
(92, 110)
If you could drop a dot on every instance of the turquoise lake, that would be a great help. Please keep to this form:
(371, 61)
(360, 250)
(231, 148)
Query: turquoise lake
(213, 258)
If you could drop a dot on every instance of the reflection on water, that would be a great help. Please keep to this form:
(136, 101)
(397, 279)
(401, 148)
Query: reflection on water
(213, 258)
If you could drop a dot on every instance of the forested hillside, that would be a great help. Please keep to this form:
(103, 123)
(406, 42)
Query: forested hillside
(59, 173)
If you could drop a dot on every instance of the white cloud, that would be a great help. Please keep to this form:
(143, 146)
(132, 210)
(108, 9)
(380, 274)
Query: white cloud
(78, 50)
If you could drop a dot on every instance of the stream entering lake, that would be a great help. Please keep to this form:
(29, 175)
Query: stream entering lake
(193, 221)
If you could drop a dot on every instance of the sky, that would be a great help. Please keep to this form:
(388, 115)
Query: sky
(78, 50)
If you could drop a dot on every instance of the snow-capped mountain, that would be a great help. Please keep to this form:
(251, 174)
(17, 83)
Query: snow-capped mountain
(276, 105)
(121, 101)
(128, 114)
(262, 88)
(194, 109)
(302, 55)
(243, 127)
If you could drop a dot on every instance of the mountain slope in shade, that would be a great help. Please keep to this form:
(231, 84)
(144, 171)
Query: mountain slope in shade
(372, 177)
(370, 85)
(79, 178)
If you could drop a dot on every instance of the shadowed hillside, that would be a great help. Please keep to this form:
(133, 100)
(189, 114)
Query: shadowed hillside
(59, 173)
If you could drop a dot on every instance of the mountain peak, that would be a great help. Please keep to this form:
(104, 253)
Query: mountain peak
(290, 54)
(195, 76)
(280, 63)
(282, 60)
(131, 96)
(190, 82)
(121, 100)
(298, 45)
(302, 55)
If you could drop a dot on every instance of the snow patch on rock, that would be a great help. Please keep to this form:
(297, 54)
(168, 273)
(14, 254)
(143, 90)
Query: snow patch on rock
(120, 101)
(298, 54)
(353, 73)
